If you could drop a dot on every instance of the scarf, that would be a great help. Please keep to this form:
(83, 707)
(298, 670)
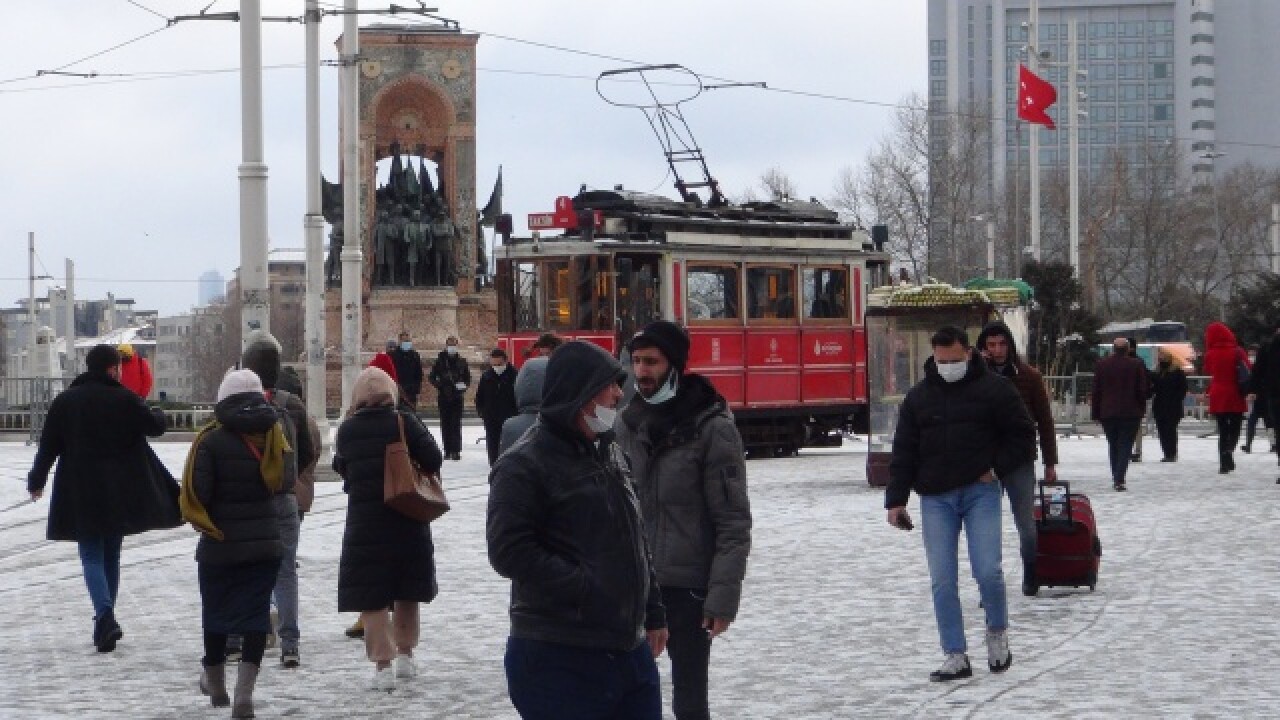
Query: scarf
(268, 447)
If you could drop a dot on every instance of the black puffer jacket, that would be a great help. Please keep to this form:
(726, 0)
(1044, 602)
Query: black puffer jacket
(496, 398)
(228, 481)
(564, 523)
(108, 481)
(1170, 393)
(385, 555)
(687, 461)
(1266, 369)
(950, 434)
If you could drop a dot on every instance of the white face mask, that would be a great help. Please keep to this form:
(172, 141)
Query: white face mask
(499, 369)
(952, 372)
(665, 391)
(603, 420)
(451, 349)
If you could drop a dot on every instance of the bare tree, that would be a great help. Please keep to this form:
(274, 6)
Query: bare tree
(215, 347)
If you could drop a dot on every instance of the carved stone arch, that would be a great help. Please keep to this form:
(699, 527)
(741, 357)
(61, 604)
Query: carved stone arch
(414, 111)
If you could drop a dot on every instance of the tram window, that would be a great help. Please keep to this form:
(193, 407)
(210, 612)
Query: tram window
(826, 292)
(713, 292)
(525, 296)
(558, 295)
(771, 293)
(595, 307)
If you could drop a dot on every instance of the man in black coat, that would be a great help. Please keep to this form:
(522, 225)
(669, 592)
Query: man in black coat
(109, 483)
(451, 377)
(960, 431)
(1266, 380)
(496, 400)
(408, 368)
(564, 525)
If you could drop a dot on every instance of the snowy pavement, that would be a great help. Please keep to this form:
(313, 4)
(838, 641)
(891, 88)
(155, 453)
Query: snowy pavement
(836, 620)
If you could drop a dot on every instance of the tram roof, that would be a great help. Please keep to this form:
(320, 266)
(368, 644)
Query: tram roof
(620, 202)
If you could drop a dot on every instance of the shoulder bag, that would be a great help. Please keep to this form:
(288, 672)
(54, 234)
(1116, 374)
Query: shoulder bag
(407, 489)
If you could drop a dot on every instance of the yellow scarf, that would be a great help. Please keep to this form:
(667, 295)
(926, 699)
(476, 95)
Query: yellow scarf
(272, 445)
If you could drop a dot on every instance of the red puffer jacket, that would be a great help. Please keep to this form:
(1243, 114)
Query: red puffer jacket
(1221, 355)
(135, 374)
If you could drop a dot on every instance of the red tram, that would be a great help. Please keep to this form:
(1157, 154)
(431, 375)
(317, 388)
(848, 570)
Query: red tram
(773, 296)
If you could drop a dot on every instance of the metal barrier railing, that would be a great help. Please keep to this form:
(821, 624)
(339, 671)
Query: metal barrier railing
(1070, 397)
(24, 404)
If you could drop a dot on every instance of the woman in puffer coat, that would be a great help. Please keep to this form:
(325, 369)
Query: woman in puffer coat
(234, 469)
(1222, 356)
(388, 559)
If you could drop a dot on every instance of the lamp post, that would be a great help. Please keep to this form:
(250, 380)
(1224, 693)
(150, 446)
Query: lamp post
(991, 243)
(1212, 156)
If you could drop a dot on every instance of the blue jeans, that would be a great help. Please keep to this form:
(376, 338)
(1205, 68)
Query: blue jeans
(286, 590)
(1020, 486)
(976, 507)
(100, 558)
(551, 681)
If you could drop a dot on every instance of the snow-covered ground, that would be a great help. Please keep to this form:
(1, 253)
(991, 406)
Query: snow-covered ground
(836, 620)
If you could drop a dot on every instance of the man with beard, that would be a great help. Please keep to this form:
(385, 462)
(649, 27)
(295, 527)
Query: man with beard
(687, 463)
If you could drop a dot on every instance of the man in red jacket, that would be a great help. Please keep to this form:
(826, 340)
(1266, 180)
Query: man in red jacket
(1120, 390)
(135, 371)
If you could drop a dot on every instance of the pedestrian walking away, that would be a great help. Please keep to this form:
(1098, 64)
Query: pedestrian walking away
(1170, 394)
(1119, 400)
(691, 478)
(262, 356)
(235, 469)
(1223, 359)
(997, 345)
(135, 371)
(1257, 409)
(387, 566)
(408, 372)
(528, 401)
(496, 400)
(451, 377)
(564, 525)
(1266, 380)
(959, 431)
(1136, 454)
(109, 483)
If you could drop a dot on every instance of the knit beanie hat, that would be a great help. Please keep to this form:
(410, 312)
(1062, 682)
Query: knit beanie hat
(239, 381)
(668, 337)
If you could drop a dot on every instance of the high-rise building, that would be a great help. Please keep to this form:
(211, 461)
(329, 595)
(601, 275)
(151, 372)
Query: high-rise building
(212, 287)
(1189, 74)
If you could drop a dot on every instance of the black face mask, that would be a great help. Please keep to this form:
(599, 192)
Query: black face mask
(1165, 363)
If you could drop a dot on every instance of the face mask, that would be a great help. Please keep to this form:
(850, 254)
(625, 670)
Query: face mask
(500, 368)
(665, 392)
(452, 349)
(603, 420)
(952, 372)
(1165, 363)
(406, 346)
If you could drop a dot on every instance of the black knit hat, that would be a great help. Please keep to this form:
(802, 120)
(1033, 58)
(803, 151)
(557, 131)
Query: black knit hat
(668, 337)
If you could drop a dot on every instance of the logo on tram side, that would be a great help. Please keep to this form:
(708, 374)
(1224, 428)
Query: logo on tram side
(829, 347)
(715, 350)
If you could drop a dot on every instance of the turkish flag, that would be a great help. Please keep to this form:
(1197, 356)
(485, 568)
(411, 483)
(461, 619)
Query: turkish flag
(1035, 95)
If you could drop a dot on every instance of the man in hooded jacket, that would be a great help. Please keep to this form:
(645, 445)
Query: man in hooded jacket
(687, 461)
(109, 483)
(997, 345)
(564, 525)
(528, 401)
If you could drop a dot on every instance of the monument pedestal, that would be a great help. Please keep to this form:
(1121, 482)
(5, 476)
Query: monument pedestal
(430, 315)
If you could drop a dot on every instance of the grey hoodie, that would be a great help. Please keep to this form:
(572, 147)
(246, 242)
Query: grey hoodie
(529, 400)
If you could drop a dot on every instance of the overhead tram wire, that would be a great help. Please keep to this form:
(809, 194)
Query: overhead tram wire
(144, 7)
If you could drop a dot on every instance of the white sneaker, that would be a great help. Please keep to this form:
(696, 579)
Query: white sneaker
(404, 667)
(954, 667)
(384, 679)
(999, 658)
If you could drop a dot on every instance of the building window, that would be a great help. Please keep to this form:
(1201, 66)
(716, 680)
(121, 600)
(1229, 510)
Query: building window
(1202, 82)
(1048, 32)
(1131, 92)
(937, 47)
(937, 67)
(1131, 71)
(1161, 70)
(1203, 125)
(937, 87)
(1160, 48)
(1133, 113)
(1130, 50)
(1102, 93)
(1160, 91)
(1102, 135)
(1201, 17)
(1201, 38)
(1102, 51)
(1014, 33)
(1102, 29)
(1202, 103)
(1131, 29)
(1202, 60)
(1159, 27)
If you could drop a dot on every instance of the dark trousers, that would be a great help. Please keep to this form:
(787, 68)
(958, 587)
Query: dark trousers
(690, 651)
(215, 648)
(1167, 429)
(1120, 433)
(493, 439)
(451, 425)
(551, 681)
(1273, 408)
(1228, 436)
(1259, 412)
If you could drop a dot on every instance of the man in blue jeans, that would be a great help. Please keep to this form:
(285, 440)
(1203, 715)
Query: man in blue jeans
(108, 483)
(959, 430)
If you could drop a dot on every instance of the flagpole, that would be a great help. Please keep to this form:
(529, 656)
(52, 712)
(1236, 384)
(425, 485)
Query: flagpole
(1033, 65)
(1073, 147)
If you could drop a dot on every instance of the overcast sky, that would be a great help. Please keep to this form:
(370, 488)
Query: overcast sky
(134, 178)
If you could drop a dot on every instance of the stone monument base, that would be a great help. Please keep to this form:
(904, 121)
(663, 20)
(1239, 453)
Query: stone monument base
(429, 315)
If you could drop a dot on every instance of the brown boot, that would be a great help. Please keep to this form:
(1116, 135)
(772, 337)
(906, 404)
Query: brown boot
(213, 682)
(246, 678)
(356, 630)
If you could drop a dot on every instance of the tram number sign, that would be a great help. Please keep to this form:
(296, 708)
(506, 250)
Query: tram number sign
(542, 221)
(564, 217)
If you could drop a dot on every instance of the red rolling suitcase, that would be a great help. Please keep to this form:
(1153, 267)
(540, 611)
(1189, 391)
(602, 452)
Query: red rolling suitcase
(1068, 550)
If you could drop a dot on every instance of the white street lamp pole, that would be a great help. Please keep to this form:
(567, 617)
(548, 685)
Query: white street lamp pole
(255, 309)
(313, 226)
(352, 257)
(1033, 65)
(1073, 147)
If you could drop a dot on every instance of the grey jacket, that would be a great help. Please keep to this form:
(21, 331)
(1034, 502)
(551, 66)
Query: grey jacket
(692, 485)
(528, 400)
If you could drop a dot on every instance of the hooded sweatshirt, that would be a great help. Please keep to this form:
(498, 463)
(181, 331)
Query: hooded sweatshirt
(1030, 384)
(262, 355)
(564, 524)
(1222, 354)
(528, 401)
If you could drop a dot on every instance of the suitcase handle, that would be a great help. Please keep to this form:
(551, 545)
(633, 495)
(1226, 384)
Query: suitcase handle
(1044, 501)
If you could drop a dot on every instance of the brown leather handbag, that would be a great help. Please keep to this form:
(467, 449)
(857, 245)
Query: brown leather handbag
(406, 488)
